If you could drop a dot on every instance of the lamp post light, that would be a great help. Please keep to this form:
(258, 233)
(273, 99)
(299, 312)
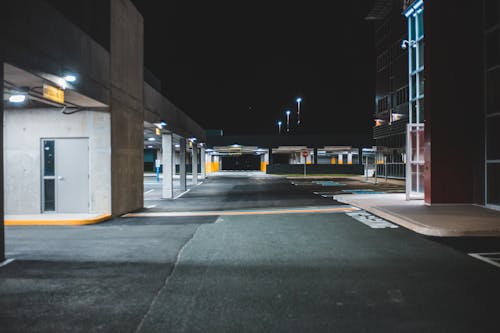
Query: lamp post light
(288, 120)
(298, 110)
(279, 126)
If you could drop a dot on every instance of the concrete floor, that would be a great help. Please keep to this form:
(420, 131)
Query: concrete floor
(251, 273)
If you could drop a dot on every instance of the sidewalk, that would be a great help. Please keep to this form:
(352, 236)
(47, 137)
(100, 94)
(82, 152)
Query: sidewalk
(439, 221)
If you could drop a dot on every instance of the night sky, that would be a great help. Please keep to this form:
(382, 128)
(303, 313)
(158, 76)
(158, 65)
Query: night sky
(238, 65)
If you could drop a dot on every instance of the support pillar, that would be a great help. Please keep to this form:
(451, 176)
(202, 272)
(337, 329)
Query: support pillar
(194, 164)
(202, 163)
(340, 160)
(270, 155)
(167, 157)
(182, 163)
(360, 155)
(315, 153)
(2, 228)
(349, 158)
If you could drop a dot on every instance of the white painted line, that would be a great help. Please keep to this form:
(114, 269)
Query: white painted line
(148, 191)
(180, 195)
(151, 206)
(370, 220)
(6, 262)
(481, 256)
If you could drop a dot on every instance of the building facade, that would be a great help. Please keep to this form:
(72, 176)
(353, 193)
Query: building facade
(392, 89)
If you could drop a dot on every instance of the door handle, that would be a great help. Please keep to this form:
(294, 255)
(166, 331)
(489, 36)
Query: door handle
(60, 178)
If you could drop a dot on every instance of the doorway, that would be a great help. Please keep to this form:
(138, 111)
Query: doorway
(65, 175)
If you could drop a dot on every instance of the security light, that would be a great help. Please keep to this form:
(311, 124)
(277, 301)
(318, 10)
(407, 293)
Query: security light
(151, 139)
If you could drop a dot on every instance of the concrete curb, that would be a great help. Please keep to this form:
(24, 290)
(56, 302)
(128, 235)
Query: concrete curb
(62, 222)
(416, 226)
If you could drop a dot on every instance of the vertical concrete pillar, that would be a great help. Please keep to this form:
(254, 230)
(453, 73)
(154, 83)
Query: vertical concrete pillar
(340, 160)
(360, 156)
(202, 163)
(315, 153)
(126, 87)
(182, 163)
(194, 164)
(270, 155)
(167, 156)
(2, 228)
(349, 158)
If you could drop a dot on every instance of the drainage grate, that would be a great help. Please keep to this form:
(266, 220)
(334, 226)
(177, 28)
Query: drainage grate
(492, 258)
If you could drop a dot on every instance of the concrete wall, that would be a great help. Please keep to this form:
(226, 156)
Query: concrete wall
(39, 39)
(454, 112)
(24, 128)
(157, 107)
(127, 127)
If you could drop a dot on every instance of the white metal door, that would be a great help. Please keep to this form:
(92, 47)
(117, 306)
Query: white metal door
(72, 175)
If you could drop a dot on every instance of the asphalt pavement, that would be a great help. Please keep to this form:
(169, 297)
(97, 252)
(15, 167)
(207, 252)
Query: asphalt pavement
(299, 272)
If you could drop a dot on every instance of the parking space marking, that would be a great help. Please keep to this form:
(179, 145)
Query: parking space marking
(492, 258)
(371, 220)
(6, 262)
(147, 192)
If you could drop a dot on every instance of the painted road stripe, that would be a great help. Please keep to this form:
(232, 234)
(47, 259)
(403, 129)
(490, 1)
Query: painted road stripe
(492, 258)
(147, 192)
(6, 262)
(336, 209)
(370, 220)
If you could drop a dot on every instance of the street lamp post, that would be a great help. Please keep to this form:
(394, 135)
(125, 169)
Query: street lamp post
(298, 110)
(288, 120)
(279, 127)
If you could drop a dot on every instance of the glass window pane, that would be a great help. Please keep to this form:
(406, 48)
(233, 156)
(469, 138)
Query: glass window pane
(413, 86)
(420, 24)
(492, 47)
(48, 158)
(492, 89)
(49, 203)
(493, 138)
(491, 12)
(421, 54)
(420, 111)
(420, 83)
(413, 58)
(411, 22)
(493, 184)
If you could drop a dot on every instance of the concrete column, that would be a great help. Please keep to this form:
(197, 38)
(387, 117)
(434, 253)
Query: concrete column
(202, 163)
(315, 152)
(194, 164)
(360, 156)
(340, 160)
(167, 183)
(2, 236)
(182, 163)
(270, 155)
(349, 158)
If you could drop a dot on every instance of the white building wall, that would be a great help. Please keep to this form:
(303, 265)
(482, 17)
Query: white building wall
(23, 131)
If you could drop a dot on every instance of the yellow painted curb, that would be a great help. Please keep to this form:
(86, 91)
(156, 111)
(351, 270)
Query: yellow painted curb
(92, 220)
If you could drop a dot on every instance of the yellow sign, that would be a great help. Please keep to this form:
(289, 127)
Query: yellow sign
(158, 132)
(53, 93)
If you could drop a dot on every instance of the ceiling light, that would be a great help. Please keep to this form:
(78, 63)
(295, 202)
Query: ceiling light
(151, 139)
(70, 78)
(17, 98)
